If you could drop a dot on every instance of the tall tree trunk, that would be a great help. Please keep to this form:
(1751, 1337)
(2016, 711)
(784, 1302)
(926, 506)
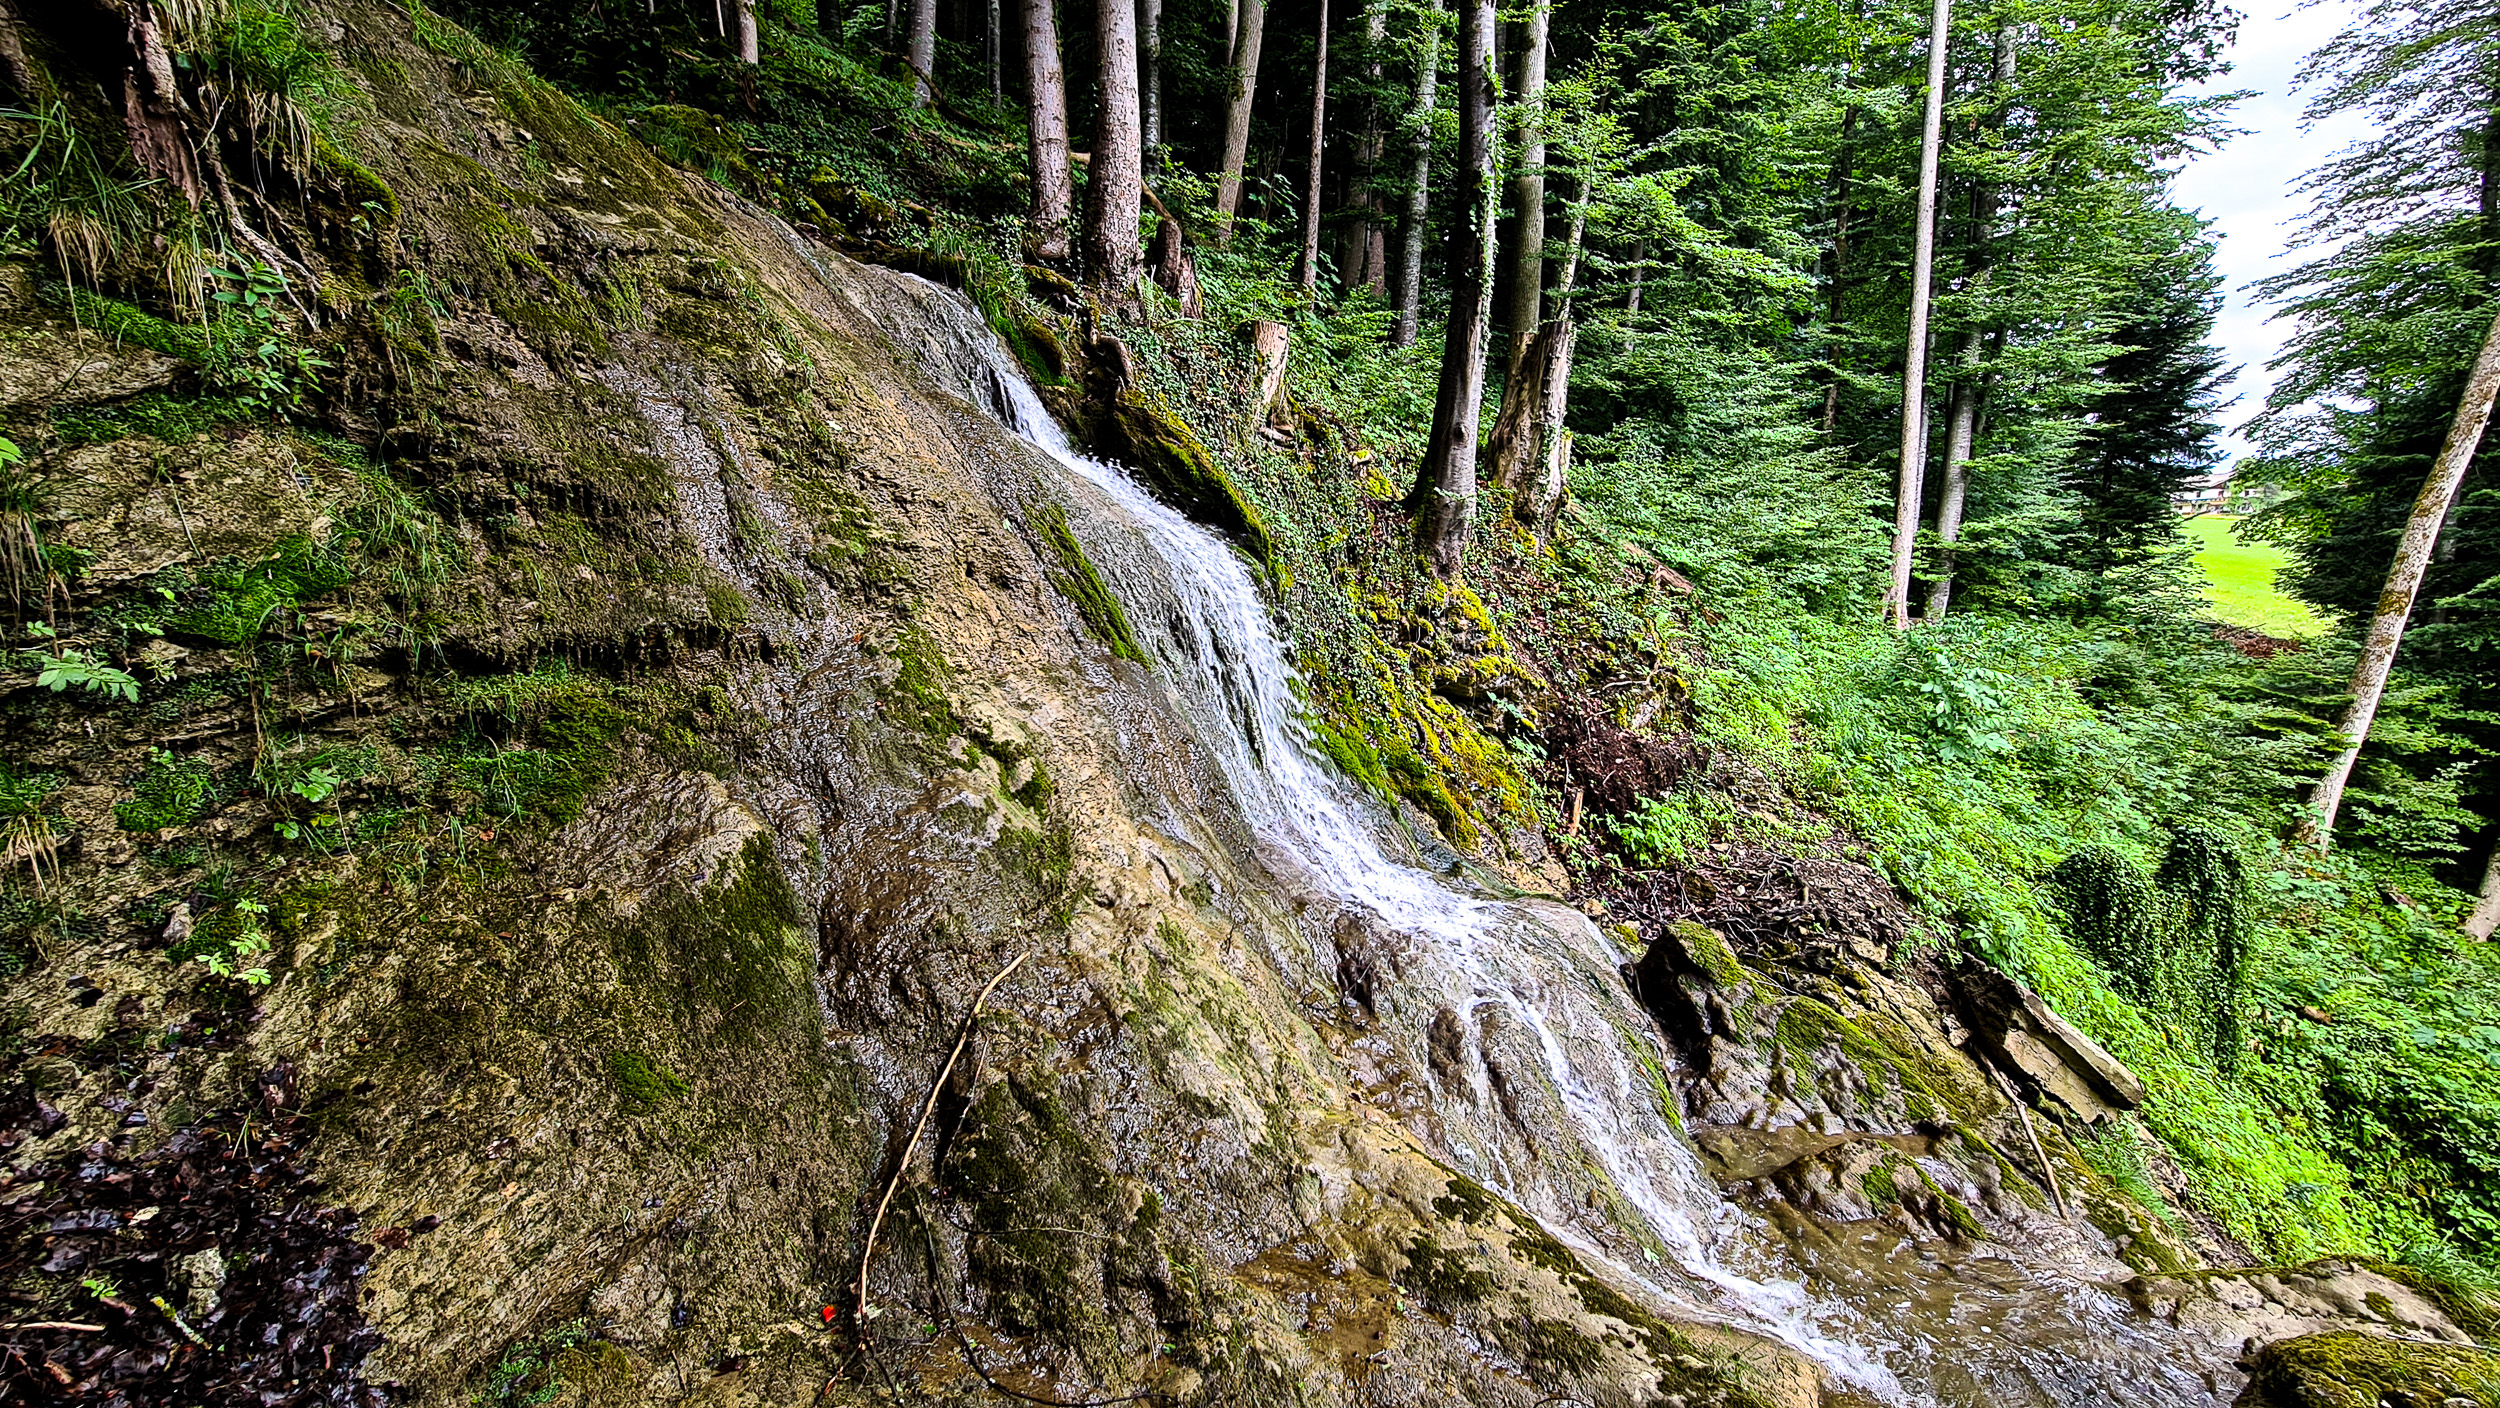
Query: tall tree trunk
(1248, 32)
(1961, 431)
(998, 57)
(1363, 250)
(1115, 182)
(1640, 276)
(1408, 295)
(1054, 193)
(1520, 431)
(1913, 479)
(1970, 382)
(1150, 24)
(747, 47)
(1319, 140)
(922, 53)
(2404, 580)
(1232, 31)
(1540, 495)
(1445, 486)
(1527, 190)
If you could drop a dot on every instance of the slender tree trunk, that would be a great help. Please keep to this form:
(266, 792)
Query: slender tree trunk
(1363, 250)
(746, 33)
(2404, 580)
(1248, 32)
(2486, 916)
(1319, 141)
(1054, 193)
(1408, 295)
(922, 53)
(1446, 481)
(998, 57)
(1115, 182)
(1232, 31)
(1150, 24)
(1970, 384)
(1961, 431)
(1912, 484)
(1640, 275)
(1527, 189)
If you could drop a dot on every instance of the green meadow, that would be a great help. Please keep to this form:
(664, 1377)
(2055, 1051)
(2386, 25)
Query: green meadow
(2239, 581)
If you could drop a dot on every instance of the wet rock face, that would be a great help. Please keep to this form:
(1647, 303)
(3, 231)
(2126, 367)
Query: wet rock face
(2355, 1369)
(2047, 1054)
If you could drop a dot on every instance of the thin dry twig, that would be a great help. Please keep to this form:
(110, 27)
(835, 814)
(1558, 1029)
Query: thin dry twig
(928, 1107)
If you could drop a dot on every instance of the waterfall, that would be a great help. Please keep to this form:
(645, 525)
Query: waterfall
(1557, 1099)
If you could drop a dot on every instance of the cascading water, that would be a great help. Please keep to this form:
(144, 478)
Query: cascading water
(1547, 1072)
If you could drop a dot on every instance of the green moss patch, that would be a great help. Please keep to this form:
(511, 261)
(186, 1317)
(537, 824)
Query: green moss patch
(2349, 1369)
(643, 1083)
(1081, 584)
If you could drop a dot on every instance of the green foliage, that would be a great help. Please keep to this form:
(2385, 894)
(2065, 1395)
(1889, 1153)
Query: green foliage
(525, 1377)
(233, 943)
(76, 669)
(252, 354)
(68, 193)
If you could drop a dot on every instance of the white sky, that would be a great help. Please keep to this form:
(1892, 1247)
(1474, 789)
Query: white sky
(2246, 188)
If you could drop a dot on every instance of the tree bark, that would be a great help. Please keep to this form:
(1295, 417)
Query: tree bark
(1319, 140)
(997, 56)
(1410, 286)
(1363, 251)
(1527, 190)
(2486, 916)
(1054, 194)
(1115, 180)
(921, 51)
(2404, 580)
(1445, 487)
(1970, 385)
(1961, 431)
(1150, 26)
(748, 49)
(1248, 31)
(1540, 495)
(1912, 485)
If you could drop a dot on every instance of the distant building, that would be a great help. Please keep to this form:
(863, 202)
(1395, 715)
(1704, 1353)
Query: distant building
(2210, 494)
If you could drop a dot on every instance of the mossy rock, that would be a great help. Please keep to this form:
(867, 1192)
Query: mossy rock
(2349, 1369)
(1183, 472)
(691, 137)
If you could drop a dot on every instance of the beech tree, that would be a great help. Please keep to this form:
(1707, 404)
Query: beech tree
(1445, 485)
(1969, 394)
(1115, 181)
(1054, 191)
(920, 52)
(1912, 483)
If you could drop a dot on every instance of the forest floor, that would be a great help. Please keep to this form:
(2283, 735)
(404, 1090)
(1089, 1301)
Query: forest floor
(2239, 581)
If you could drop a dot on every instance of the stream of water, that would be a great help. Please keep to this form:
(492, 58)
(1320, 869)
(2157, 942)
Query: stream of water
(1546, 1074)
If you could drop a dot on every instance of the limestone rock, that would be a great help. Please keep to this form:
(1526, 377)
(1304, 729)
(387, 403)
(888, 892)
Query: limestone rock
(2350, 1369)
(2030, 1042)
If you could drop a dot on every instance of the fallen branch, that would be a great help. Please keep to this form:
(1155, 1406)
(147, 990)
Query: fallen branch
(52, 1325)
(928, 1107)
(2036, 1151)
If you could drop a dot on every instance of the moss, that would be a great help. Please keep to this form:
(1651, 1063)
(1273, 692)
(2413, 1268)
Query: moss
(1878, 1184)
(1553, 1342)
(643, 1083)
(693, 138)
(1705, 952)
(1081, 584)
(1808, 1030)
(125, 323)
(1956, 1215)
(1022, 1175)
(1443, 1280)
(1038, 349)
(361, 187)
(1467, 1201)
(728, 605)
(726, 959)
(1178, 466)
(1044, 863)
(917, 697)
(2349, 1369)
(173, 419)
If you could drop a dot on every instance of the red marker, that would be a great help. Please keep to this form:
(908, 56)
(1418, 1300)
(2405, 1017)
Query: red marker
(828, 1314)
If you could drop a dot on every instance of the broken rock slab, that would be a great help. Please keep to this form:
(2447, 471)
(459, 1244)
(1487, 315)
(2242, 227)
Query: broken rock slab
(2026, 1039)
